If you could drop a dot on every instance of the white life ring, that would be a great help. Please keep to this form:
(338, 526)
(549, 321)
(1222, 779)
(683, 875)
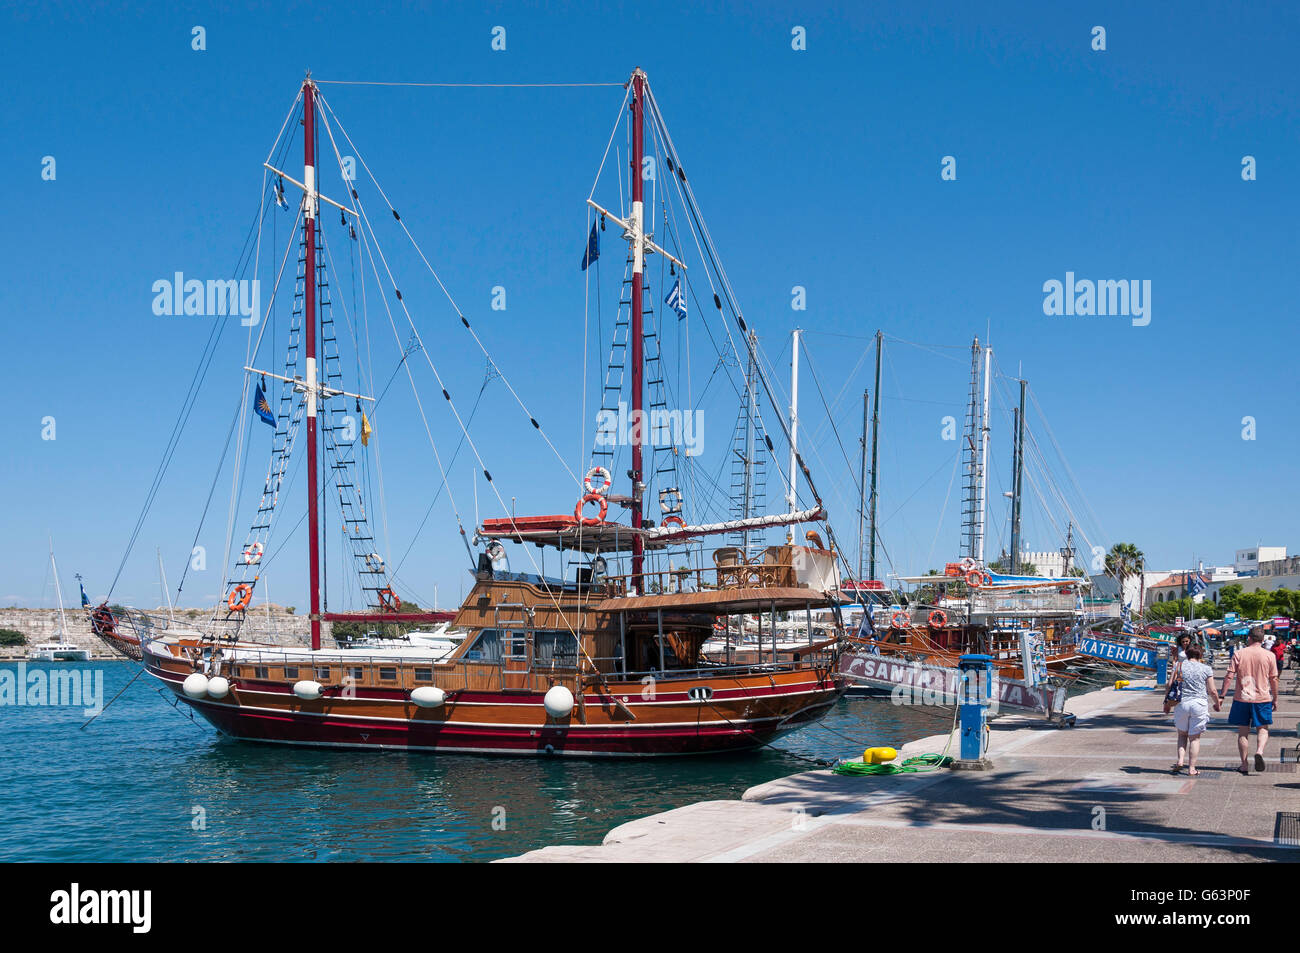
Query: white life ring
(606, 477)
(967, 564)
(495, 551)
(253, 554)
(670, 500)
(375, 561)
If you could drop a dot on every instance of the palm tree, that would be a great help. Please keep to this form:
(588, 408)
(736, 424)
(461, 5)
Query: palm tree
(1124, 560)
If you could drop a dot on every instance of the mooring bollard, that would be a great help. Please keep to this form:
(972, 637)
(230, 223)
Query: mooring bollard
(976, 686)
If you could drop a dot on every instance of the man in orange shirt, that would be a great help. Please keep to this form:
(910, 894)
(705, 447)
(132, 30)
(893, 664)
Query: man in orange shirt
(1253, 675)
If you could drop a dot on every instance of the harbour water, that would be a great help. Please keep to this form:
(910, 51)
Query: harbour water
(144, 783)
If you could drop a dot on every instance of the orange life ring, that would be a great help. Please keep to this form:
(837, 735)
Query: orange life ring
(940, 621)
(673, 518)
(591, 498)
(388, 599)
(976, 578)
(240, 597)
(900, 620)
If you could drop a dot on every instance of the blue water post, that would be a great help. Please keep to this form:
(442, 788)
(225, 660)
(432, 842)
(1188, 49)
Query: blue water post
(976, 682)
(1162, 668)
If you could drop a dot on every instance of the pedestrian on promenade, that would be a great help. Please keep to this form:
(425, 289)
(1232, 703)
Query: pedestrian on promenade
(1192, 713)
(1253, 677)
(1184, 642)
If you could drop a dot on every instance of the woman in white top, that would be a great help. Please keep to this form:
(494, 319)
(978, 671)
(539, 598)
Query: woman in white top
(1192, 713)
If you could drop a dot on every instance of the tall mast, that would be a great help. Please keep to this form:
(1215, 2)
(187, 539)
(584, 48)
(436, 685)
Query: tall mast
(1017, 483)
(162, 579)
(984, 458)
(58, 592)
(309, 324)
(791, 496)
(875, 452)
(862, 481)
(638, 341)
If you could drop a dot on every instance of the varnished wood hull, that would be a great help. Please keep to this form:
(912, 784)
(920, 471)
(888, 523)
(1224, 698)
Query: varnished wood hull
(743, 712)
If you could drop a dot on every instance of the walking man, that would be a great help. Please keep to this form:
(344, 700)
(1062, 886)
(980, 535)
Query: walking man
(1252, 673)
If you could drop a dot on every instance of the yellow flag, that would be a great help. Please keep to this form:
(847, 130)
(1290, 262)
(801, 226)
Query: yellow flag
(366, 430)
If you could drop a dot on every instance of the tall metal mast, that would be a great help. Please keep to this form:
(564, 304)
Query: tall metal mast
(791, 497)
(309, 325)
(862, 481)
(984, 457)
(638, 341)
(1017, 483)
(875, 452)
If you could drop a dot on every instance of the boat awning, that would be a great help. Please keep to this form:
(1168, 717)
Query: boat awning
(723, 601)
(567, 532)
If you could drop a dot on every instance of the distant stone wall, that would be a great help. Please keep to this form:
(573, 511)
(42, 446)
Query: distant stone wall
(42, 625)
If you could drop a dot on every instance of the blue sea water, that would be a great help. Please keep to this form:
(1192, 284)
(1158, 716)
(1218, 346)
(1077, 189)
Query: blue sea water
(142, 782)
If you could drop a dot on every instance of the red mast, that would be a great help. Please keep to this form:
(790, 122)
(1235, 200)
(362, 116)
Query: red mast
(309, 323)
(638, 341)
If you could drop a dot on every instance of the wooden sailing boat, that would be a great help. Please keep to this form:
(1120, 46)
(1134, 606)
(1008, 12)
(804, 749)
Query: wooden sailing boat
(601, 664)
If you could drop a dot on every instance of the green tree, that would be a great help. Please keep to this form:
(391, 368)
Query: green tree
(1124, 560)
(12, 637)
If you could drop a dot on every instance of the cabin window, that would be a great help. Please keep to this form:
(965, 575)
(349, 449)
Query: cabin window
(486, 647)
(259, 671)
(424, 674)
(387, 673)
(323, 672)
(358, 674)
(555, 648)
(291, 671)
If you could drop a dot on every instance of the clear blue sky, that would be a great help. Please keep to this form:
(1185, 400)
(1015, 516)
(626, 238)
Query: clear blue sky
(818, 168)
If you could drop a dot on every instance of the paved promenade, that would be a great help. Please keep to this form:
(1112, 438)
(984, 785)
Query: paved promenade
(1100, 791)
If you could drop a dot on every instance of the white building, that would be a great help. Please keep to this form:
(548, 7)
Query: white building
(1248, 560)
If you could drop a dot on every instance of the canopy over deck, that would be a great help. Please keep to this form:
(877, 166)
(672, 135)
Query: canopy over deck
(724, 601)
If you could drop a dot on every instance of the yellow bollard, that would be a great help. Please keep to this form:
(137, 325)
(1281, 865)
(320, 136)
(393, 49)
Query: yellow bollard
(1122, 683)
(878, 755)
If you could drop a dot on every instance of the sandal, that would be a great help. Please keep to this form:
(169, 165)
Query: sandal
(1192, 772)
(1176, 769)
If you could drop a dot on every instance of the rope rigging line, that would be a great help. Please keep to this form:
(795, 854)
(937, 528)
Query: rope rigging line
(446, 292)
(359, 82)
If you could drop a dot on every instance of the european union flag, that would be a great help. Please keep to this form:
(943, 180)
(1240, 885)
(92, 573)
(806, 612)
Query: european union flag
(262, 408)
(593, 247)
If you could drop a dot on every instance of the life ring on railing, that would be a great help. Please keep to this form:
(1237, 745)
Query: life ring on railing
(967, 564)
(495, 551)
(670, 500)
(938, 619)
(253, 554)
(674, 518)
(240, 597)
(604, 475)
(719, 624)
(591, 521)
(388, 599)
(975, 578)
(900, 620)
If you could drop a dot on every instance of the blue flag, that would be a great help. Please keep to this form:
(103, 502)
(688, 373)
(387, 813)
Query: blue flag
(85, 600)
(593, 247)
(1195, 585)
(262, 408)
(676, 300)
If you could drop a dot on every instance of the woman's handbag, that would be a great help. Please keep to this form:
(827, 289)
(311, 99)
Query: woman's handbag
(1175, 693)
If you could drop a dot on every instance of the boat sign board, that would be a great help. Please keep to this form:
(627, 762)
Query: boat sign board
(1134, 655)
(912, 683)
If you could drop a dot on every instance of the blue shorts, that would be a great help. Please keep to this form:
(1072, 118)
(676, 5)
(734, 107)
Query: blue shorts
(1251, 714)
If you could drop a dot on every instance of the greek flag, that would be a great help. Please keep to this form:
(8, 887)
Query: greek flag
(1195, 584)
(85, 600)
(676, 300)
